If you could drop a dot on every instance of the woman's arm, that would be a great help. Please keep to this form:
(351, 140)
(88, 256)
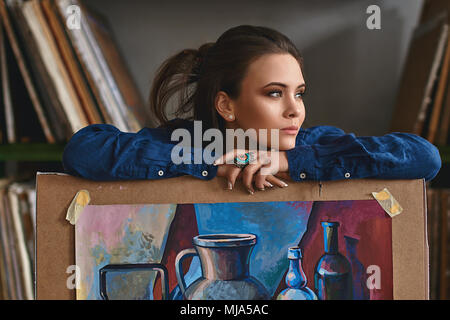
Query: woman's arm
(103, 152)
(328, 153)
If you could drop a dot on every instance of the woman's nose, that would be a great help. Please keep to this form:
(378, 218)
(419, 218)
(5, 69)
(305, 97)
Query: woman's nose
(293, 109)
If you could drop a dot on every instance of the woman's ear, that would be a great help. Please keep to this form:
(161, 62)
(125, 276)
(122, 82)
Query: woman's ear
(225, 106)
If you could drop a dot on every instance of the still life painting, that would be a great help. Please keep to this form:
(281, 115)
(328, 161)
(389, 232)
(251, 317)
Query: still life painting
(287, 250)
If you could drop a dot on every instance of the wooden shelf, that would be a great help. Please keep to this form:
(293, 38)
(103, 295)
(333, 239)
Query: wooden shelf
(31, 152)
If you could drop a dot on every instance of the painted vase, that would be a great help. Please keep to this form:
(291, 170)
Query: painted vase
(333, 272)
(360, 289)
(296, 279)
(161, 269)
(224, 262)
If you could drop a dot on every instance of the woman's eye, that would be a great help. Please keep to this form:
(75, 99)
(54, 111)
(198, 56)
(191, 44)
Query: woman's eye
(278, 94)
(275, 94)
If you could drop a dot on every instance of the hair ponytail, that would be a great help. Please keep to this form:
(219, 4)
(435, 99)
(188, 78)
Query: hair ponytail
(177, 74)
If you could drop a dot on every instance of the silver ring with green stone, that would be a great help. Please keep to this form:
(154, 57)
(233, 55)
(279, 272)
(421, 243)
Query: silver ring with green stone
(241, 161)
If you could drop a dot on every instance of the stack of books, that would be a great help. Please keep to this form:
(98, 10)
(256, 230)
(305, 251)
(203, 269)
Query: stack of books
(61, 70)
(17, 239)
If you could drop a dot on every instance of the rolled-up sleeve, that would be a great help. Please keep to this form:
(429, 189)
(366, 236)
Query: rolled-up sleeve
(103, 152)
(328, 153)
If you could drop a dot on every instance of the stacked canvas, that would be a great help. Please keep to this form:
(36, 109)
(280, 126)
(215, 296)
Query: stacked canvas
(70, 70)
(438, 238)
(423, 108)
(423, 102)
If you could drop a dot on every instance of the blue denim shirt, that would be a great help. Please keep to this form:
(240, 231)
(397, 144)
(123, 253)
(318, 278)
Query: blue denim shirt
(103, 152)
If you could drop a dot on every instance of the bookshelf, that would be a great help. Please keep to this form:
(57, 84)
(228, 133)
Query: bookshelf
(54, 80)
(31, 152)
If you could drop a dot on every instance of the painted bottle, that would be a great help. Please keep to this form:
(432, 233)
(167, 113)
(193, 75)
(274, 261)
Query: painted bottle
(359, 275)
(333, 272)
(296, 279)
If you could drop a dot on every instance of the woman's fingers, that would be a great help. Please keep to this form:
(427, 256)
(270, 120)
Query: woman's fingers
(248, 175)
(261, 183)
(251, 174)
(268, 184)
(232, 174)
(275, 181)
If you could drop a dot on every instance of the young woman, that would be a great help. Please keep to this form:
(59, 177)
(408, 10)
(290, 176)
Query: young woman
(250, 78)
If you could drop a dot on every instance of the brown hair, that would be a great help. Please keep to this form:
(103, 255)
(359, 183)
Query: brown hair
(198, 75)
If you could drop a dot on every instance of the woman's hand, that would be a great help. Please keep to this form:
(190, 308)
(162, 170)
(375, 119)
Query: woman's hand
(262, 170)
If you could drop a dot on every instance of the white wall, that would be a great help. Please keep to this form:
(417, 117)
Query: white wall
(352, 72)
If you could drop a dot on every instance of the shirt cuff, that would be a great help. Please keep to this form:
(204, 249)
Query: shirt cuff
(201, 171)
(301, 162)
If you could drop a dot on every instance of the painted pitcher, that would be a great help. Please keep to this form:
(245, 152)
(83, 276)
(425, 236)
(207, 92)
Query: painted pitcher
(225, 269)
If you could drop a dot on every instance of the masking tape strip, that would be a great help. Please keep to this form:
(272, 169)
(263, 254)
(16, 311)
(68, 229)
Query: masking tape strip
(77, 205)
(388, 202)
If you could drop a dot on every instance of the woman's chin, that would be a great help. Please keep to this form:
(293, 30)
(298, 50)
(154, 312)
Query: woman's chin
(287, 143)
(284, 146)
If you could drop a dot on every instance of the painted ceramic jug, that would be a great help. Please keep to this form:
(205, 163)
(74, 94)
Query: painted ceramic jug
(224, 262)
(134, 267)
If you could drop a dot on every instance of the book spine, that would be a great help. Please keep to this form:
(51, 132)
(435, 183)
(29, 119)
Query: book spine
(92, 86)
(55, 65)
(431, 80)
(69, 60)
(9, 114)
(440, 94)
(16, 279)
(23, 258)
(445, 118)
(26, 75)
(4, 237)
(51, 67)
(79, 40)
(116, 95)
(57, 119)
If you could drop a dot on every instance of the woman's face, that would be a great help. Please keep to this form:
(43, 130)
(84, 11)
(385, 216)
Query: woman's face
(271, 98)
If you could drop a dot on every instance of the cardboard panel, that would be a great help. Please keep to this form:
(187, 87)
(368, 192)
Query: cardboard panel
(55, 243)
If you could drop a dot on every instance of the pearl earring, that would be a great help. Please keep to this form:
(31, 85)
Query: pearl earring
(230, 117)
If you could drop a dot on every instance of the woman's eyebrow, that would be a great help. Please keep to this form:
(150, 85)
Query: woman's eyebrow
(282, 85)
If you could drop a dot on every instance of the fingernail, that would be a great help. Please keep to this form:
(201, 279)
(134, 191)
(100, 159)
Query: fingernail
(270, 185)
(285, 184)
(250, 191)
(261, 189)
(230, 185)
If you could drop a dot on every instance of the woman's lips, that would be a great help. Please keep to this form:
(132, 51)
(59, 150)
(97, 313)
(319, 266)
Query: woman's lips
(290, 130)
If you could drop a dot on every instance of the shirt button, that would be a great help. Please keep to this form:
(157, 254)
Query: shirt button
(160, 173)
(303, 175)
(347, 175)
(205, 173)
